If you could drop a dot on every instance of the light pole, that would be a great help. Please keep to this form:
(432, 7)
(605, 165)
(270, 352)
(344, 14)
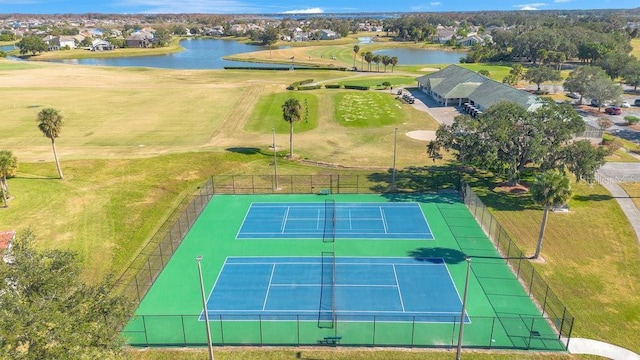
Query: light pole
(395, 147)
(204, 305)
(275, 159)
(464, 305)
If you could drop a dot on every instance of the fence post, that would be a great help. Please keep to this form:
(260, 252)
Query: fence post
(544, 304)
(144, 326)
(184, 333)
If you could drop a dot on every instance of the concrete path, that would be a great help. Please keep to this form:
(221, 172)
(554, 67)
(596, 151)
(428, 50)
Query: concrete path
(609, 175)
(594, 347)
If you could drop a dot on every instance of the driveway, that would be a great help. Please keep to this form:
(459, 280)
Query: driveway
(443, 114)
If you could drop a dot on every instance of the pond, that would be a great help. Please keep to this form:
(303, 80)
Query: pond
(197, 54)
(6, 48)
(420, 56)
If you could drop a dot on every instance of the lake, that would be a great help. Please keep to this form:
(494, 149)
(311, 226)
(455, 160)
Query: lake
(420, 56)
(208, 54)
(197, 54)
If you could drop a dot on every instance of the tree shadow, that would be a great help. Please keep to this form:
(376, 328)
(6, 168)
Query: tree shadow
(244, 150)
(592, 197)
(417, 179)
(450, 256)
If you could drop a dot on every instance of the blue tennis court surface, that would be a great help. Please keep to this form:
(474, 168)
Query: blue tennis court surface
(297, 288)
(346, 221)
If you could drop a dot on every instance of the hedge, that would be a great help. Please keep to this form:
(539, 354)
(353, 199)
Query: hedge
(356, 87)
(310, 87)
(333, 86)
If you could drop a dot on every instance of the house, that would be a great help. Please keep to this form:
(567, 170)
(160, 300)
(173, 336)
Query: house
(474, 93)
(455, 86)
(138, 40)
(326, 34)
(471, 40)
(101, 45)
(443, 35)
(60, 42)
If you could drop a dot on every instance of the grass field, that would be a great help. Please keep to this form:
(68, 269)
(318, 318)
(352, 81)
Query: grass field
(137, 140)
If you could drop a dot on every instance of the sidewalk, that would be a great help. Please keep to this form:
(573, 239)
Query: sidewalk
(594, 347)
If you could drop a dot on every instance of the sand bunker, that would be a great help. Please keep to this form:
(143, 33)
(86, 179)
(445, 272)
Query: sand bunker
(425, 135)
(429, 69)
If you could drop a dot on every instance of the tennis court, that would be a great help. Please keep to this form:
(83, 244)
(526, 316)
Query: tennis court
(392, 273)
(318, 288)
(342, 220)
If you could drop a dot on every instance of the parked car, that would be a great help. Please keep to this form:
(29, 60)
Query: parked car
(573, 95)
(613, 110)
(596, 103)
(637, 102)
(625, 104)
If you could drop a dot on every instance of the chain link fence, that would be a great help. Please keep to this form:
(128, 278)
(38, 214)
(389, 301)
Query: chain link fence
(548, 302)
(147, 265)
(186, 330)
(439, 331)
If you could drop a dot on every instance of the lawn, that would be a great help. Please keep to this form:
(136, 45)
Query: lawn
(591, 258)
(267, 113)
(366, 109)
(374, 81)
(336, 354)
(136, 141)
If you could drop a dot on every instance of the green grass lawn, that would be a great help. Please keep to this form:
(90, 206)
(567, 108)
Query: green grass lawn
(377, 81)
(336, 354)
(137, 141)
(591, 258)
(267, 114)
(367, 109)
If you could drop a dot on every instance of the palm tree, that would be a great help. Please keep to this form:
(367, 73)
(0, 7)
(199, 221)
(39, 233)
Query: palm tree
(356, 49)
(368, 57)
(363, 54)
(550, 189)
(386, 60)
(50, 124)
(394, 62)
(376, 60)
(8, 167)
(291, 112)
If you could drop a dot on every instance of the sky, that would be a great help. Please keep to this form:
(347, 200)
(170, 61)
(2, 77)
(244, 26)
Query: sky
(295, 6)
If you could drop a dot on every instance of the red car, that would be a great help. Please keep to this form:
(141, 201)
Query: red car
(613, 110)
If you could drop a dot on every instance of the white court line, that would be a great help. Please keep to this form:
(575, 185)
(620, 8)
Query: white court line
(266, 296)
(284, 220)
(318, 220)
(350, 221)
(384, 220)
(395, 274)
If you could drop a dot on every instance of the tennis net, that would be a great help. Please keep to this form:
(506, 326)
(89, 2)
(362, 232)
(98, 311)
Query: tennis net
(329, 233)
(327, 311)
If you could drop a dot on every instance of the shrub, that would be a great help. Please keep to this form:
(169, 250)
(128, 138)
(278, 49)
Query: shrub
(296, 85)
(310, 87)
(332, 86)
(632, 119)
(356, 87)
(484, 72)
(386, 84)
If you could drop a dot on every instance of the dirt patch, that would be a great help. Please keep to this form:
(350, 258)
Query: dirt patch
(424, 135)
(511, 189)
(429, 69)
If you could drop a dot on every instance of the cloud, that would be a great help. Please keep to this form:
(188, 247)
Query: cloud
(436, 3)
(186, 6)
(315, 10)
(561, 1)
(534, 6)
